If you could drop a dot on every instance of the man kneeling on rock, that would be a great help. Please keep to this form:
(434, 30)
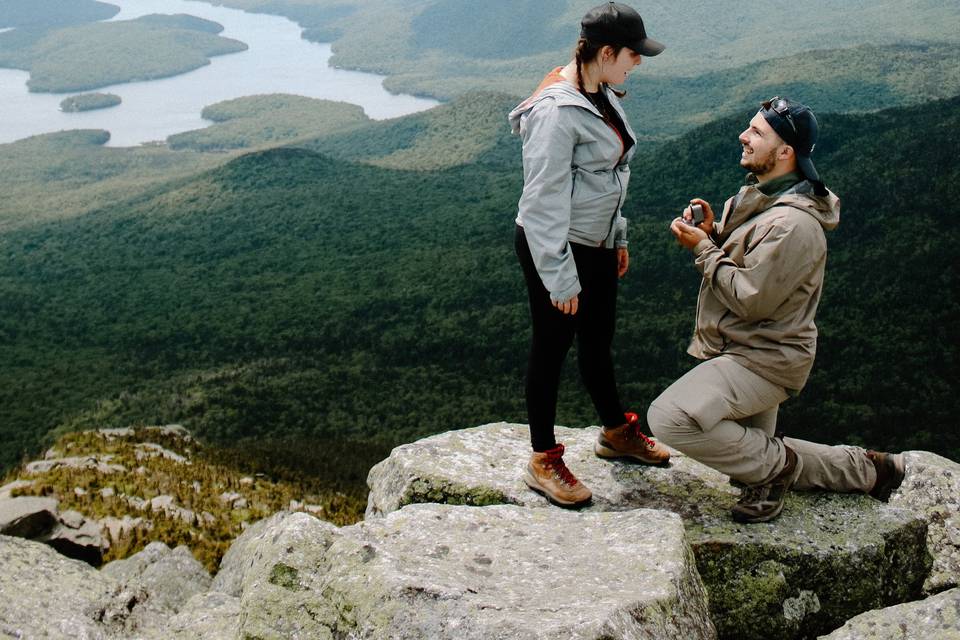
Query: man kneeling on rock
(763, 267)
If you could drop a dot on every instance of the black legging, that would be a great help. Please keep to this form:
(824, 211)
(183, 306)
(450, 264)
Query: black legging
(553, 334)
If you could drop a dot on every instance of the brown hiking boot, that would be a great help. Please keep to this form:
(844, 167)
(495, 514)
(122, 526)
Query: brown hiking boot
(628, 441)
(890, 472)
(548, 475)
(764, 502)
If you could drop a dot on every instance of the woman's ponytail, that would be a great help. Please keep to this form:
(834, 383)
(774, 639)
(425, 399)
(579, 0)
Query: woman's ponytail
(587, 51)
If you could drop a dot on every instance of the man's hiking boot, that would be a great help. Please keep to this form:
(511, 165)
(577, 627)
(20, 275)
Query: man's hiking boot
(764, 502)
(548, 475)
(628, 441)
(890, 471)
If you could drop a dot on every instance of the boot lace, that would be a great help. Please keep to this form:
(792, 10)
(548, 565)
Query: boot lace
(554, 461)
(634, 429)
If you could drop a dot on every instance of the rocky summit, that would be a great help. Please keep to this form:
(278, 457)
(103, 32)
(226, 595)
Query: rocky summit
(454, 545)
(828, 558)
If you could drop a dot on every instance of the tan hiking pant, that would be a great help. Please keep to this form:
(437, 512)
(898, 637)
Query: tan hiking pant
(724, 415)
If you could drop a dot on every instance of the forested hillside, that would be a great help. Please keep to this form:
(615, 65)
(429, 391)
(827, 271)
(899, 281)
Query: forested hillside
(447, 47)
(311, 309)
(66, 174)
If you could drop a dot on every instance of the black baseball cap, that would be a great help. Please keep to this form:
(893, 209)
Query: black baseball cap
(617, 24)
(796, 124)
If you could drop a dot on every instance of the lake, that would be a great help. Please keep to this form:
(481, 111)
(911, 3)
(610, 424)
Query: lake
(278, 61)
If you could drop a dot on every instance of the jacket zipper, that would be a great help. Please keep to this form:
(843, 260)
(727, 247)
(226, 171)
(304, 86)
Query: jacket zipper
(616, 167)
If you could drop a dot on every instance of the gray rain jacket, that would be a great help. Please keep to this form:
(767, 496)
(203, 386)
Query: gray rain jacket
(762, 278)
(575, 179)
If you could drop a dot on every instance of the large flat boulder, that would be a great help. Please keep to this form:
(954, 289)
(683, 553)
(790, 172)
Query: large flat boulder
(78, 540)
(827, 558)
(28, 517)
(170, 576)
(263, 570)
(205, 616)
(261, 546)
(440, 571)
(39, 519)
(46, 595)
(935, 618)
(155, 594)
(932, 488)
(100, 464)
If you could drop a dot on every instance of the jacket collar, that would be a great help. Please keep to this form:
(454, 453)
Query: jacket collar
(566, 93)
(775, 186)
(750, 202)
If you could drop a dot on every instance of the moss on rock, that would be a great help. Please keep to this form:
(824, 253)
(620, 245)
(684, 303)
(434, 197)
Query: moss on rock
(285, 576)
(441, 491)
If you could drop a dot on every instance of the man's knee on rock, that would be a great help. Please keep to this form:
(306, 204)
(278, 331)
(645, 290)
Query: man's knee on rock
(662, 422)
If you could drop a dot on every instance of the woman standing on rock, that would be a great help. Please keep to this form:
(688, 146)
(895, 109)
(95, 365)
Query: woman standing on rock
(571, 239)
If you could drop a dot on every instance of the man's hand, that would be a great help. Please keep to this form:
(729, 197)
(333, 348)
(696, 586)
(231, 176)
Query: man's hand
(708, 217)
(569, 307)
(623, 261)
(686, 235)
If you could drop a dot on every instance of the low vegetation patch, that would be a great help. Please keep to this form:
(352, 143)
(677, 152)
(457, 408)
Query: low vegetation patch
(171, 488)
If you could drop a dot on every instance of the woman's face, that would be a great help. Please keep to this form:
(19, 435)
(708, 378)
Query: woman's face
(616, 68)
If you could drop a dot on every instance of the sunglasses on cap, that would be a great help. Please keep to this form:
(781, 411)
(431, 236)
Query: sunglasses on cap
(779, 106)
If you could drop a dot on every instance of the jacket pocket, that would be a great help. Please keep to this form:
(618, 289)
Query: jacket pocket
(594, 202)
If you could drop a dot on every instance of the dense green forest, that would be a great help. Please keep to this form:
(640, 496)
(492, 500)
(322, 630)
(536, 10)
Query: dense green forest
(311, 307)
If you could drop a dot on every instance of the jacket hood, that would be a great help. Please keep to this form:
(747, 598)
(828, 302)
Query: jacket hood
(826, 209)
(750, 201)
(556, 87)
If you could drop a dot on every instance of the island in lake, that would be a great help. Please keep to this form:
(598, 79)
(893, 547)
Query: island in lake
(89, 102)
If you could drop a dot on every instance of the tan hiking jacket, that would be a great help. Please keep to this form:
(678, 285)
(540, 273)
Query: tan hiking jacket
(762, 278)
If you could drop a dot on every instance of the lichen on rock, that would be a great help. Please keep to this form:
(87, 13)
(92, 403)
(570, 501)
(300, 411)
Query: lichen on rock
(934, 618)
(932, 488)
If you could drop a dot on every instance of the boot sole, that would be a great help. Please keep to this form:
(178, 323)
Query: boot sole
(607, 452)
(743, 518)
(533, 484)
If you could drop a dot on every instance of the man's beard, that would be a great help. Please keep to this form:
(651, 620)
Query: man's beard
(761, 166)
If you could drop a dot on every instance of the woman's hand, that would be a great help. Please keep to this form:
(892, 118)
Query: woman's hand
(569, 307)
(623, 261)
